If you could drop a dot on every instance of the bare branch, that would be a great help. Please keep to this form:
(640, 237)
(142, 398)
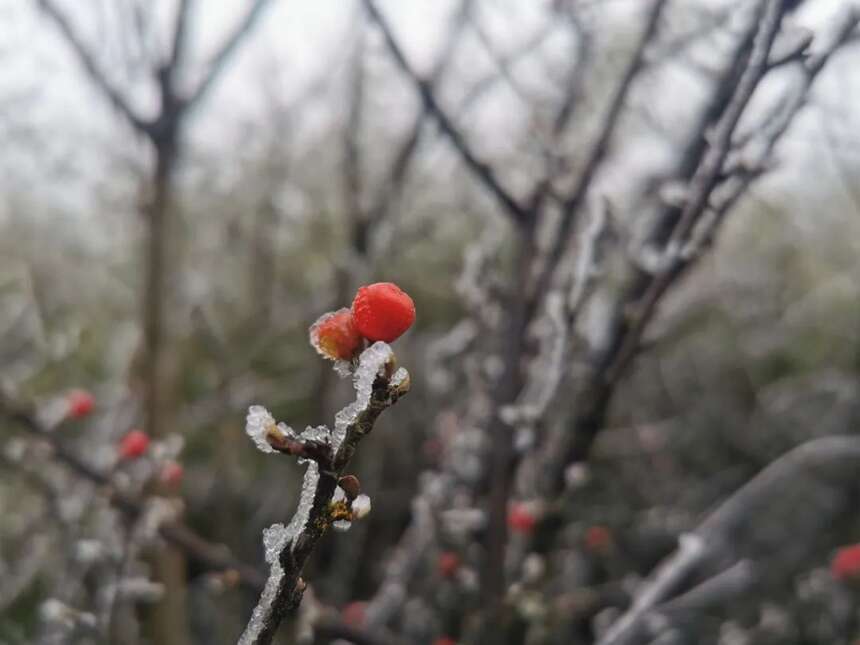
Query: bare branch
(288, 548)
(482, 171)
(704, 181)
(402, 159)
(180, 35)
(832, 461)
(215, 557)
(97, 75)
(574, 201)
(219, 61)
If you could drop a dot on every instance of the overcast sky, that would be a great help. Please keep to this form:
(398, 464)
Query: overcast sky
(42, 89)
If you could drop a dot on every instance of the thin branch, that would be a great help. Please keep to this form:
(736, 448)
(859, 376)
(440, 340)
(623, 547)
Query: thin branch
(831, 460)
(703, 182)
(288, 548)
(481, 170)
(219, 61)
(402, 159)
(215, 557)
(96, 74)
(598, 152)
(180, 35)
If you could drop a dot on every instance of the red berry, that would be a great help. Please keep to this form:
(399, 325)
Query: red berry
(79, 403)
(354, 614)
(382, 311)
(133, 445)
(334, 335)
(444, 640)
(846, 563)
(448, 564)
(598, 538)
(521, 519)
(171, 473)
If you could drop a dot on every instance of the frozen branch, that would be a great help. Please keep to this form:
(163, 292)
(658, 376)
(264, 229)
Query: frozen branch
(211, 556)
(598, 152)
(639, 297)
(711, 170)
(378, 386)
(831, 461)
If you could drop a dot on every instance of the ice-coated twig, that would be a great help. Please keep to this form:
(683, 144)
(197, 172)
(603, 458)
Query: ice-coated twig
(378, 385)
(831, 462)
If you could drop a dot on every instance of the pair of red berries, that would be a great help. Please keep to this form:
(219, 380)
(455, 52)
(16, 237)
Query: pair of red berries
(380, 311)
(80, 403)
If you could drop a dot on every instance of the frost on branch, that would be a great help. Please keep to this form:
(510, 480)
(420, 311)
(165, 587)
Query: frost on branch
(258, 424)
(322, 502)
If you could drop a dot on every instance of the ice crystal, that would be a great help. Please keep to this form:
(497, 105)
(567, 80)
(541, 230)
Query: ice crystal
(276, 538)
(314, 331)
(342, 368)
(260, 424)
(360, 506)
(546, 370)
(267, 597)
(257, 425)
(341, 525)
(306, 502)
(370, 363)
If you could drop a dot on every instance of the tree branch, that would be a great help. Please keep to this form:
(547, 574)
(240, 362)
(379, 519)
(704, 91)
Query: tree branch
(480, 169)
(600, 148)
(92, 69)
(212, 556)
(378, 387)
(218, 62)
(833, 461)
(180, 35)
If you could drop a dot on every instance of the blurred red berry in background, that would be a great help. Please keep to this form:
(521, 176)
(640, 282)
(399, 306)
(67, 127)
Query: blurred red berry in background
(382, 311)
(845, 565)
(79, 403)
(444, 640)
(334, 335)
(133, 445)
(171, 473)
(354, 614)
(448, 563)
(521, 519)
(598, 539)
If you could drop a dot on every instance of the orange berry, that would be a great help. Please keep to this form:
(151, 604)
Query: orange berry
(334, 335)
(382, 311)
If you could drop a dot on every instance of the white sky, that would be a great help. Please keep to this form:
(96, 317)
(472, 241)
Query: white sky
(52, 120)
